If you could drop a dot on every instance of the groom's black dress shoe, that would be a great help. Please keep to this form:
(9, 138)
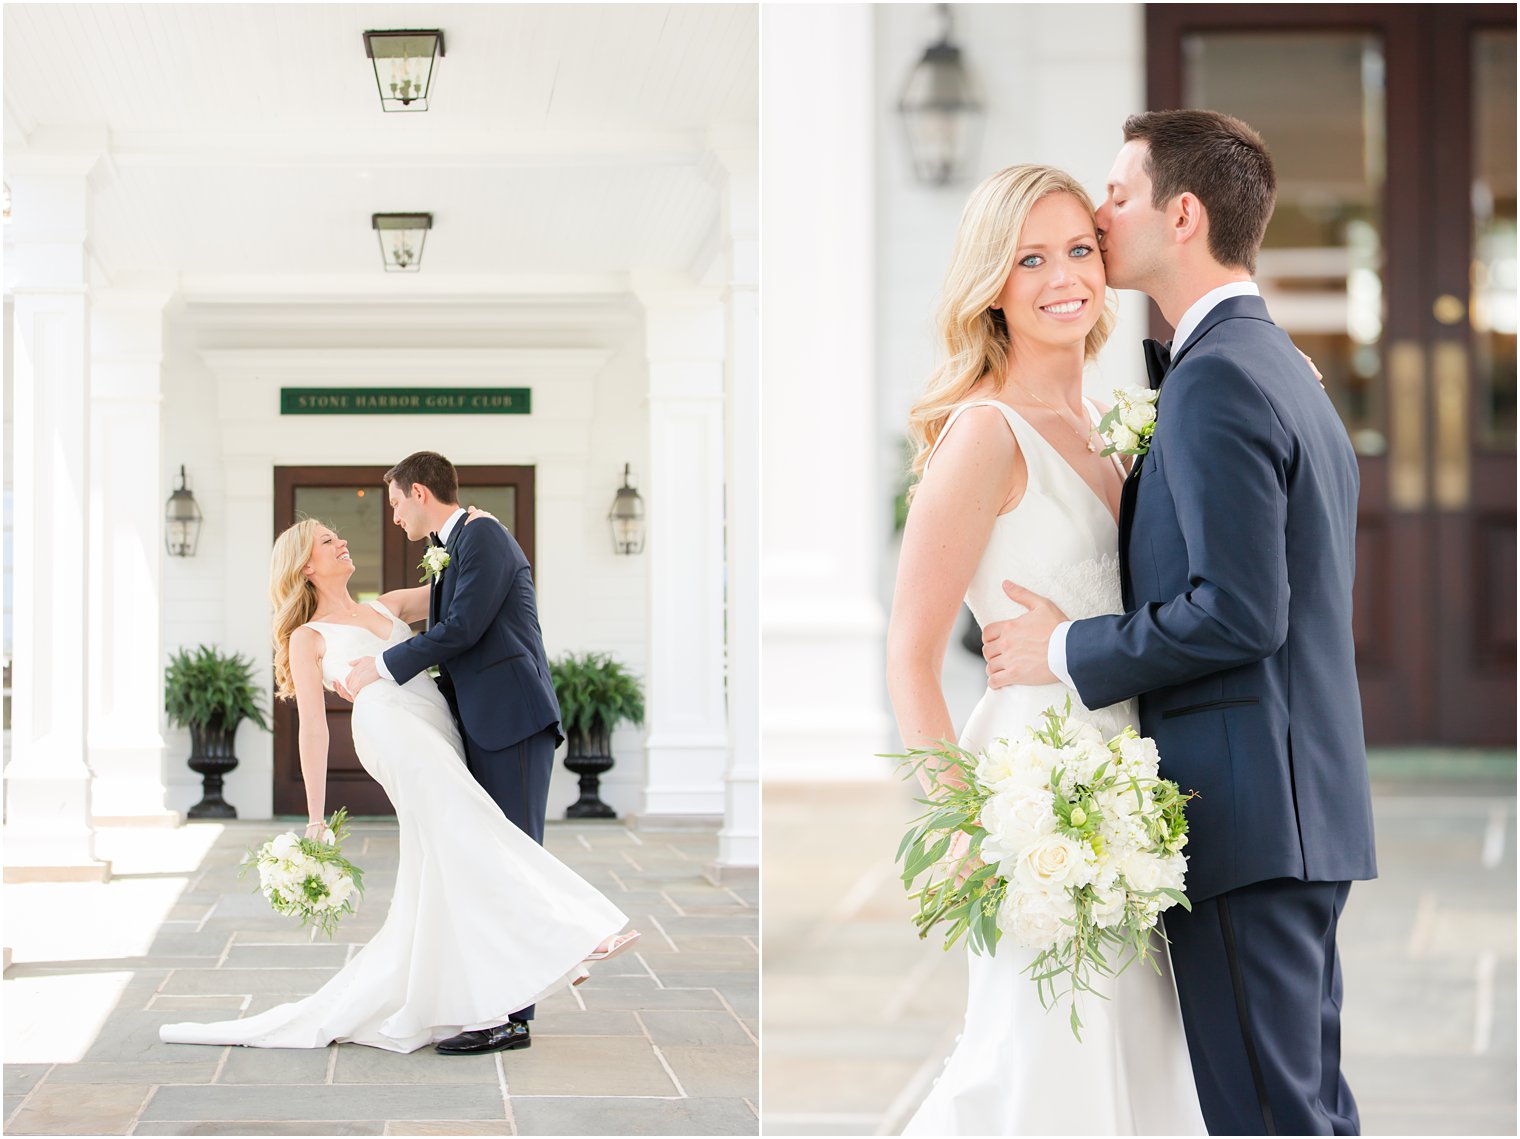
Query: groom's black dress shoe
(502, 1038)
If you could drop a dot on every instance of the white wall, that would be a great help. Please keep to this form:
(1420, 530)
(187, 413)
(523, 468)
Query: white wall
(221, 421)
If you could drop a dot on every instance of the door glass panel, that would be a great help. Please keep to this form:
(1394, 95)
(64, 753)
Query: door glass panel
(1318, 100)
(356, 513)
(498, 500)
(1492, 300)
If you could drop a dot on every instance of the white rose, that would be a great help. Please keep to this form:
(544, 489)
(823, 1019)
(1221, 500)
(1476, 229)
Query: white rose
(328, 837)
(1088, 758)
(1148, 395)
(1030, 765)
(284, 845)
(997, 765)
(1083, 732)
(1138, 416)
(1143, 872)
(1173, 872)
(1123, 438)
(1108, 905)
(1052, 861)
(1014, 819)
(1036, 919)
(1141, 757)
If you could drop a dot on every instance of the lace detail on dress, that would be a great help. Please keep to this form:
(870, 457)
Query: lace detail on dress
(1087, 589)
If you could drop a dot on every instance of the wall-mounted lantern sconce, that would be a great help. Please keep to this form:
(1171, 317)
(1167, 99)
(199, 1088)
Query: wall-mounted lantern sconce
(401, 238)
(182, 521)
(627, 517)
(941, 110)
(404, 66)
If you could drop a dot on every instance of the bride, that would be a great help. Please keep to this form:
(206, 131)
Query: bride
(483, 921)
(1012, 486)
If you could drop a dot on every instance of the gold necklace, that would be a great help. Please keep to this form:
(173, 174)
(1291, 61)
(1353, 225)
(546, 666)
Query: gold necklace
(1087, 439)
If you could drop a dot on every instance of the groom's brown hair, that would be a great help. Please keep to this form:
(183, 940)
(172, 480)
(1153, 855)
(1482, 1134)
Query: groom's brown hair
(1220, 160)
(430, 469)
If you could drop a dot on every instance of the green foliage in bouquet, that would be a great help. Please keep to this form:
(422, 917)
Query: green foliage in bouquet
(595, 692)
(308, 878)
(209, 690)
(962, 899)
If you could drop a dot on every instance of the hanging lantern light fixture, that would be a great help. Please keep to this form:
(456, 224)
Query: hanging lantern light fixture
(627, 517)
(403, 64)
(401, 238)
(941, 110)
(182, 521)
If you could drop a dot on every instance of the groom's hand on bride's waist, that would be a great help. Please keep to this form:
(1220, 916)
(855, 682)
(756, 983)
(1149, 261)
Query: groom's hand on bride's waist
(1017, 650)
(361, 675)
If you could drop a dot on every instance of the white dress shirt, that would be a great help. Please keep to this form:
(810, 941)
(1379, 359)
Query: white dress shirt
(1055, 652)
(443, 537)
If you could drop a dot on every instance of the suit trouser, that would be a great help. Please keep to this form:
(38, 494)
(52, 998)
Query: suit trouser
(517, 777)
(1259, 980)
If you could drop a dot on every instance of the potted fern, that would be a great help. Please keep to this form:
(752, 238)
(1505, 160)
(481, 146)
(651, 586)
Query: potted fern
(211, 694)
(596, 693)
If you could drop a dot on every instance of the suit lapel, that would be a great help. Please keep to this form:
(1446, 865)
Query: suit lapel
(1248, 306)
(1127, 495)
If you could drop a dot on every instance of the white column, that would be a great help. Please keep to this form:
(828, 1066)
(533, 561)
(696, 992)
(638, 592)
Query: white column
(826, 512)
(248, 502)
(48, 833)
(739, 839)
(126, 746)
(687, 743)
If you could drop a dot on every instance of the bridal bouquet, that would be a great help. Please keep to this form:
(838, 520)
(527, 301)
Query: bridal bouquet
(309, 878)
(1072, 847)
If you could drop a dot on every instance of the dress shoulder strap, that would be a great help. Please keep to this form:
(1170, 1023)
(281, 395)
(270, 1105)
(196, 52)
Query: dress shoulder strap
(956, 414)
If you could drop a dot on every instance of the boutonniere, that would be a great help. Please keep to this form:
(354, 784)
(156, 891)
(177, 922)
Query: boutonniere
(1130, 423)
(433, 563)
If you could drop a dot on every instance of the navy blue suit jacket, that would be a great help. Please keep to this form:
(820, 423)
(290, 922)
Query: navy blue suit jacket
(483, 633)
(1237, 546)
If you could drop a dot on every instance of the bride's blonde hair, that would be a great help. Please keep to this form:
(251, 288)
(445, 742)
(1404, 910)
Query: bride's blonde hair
(974, 334)
(291, 594)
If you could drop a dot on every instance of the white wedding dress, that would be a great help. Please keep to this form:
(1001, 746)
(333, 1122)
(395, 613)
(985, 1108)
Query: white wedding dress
(483, 921)
(1017, 1069)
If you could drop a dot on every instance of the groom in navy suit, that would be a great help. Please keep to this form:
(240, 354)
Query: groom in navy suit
(484, 636)
(1237, 546)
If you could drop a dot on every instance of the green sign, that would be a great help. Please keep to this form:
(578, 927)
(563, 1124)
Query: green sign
(406, 401)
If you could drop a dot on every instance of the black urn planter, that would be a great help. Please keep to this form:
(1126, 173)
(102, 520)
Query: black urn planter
(211, 758)
(590, 756)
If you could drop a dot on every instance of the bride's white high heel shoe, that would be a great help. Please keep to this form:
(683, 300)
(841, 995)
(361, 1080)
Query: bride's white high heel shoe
(619, 943)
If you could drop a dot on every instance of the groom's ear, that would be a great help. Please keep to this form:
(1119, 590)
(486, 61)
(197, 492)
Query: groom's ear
(421, 493)
(1188, 217)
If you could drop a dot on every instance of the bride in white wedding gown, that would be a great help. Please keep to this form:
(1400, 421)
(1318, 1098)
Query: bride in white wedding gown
(1017, 491)
(483, 921)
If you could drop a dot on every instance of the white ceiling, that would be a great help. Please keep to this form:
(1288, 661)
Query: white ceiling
(246, 143)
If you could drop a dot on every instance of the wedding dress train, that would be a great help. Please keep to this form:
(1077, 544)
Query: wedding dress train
(483, 921)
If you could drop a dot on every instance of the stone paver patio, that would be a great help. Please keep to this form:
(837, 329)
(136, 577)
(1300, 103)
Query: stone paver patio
(859, 1014)
(660, 1041)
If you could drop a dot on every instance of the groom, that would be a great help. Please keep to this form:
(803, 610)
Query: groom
(483, 634)
(1237, 547)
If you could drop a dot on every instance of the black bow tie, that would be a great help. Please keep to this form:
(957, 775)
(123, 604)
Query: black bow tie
(434, 539)
(1158, 361)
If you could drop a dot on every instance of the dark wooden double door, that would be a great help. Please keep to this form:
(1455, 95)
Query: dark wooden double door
(1391, 258)
(352, 500)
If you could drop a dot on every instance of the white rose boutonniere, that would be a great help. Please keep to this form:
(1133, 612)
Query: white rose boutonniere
(433, 563)
(1129, 424)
